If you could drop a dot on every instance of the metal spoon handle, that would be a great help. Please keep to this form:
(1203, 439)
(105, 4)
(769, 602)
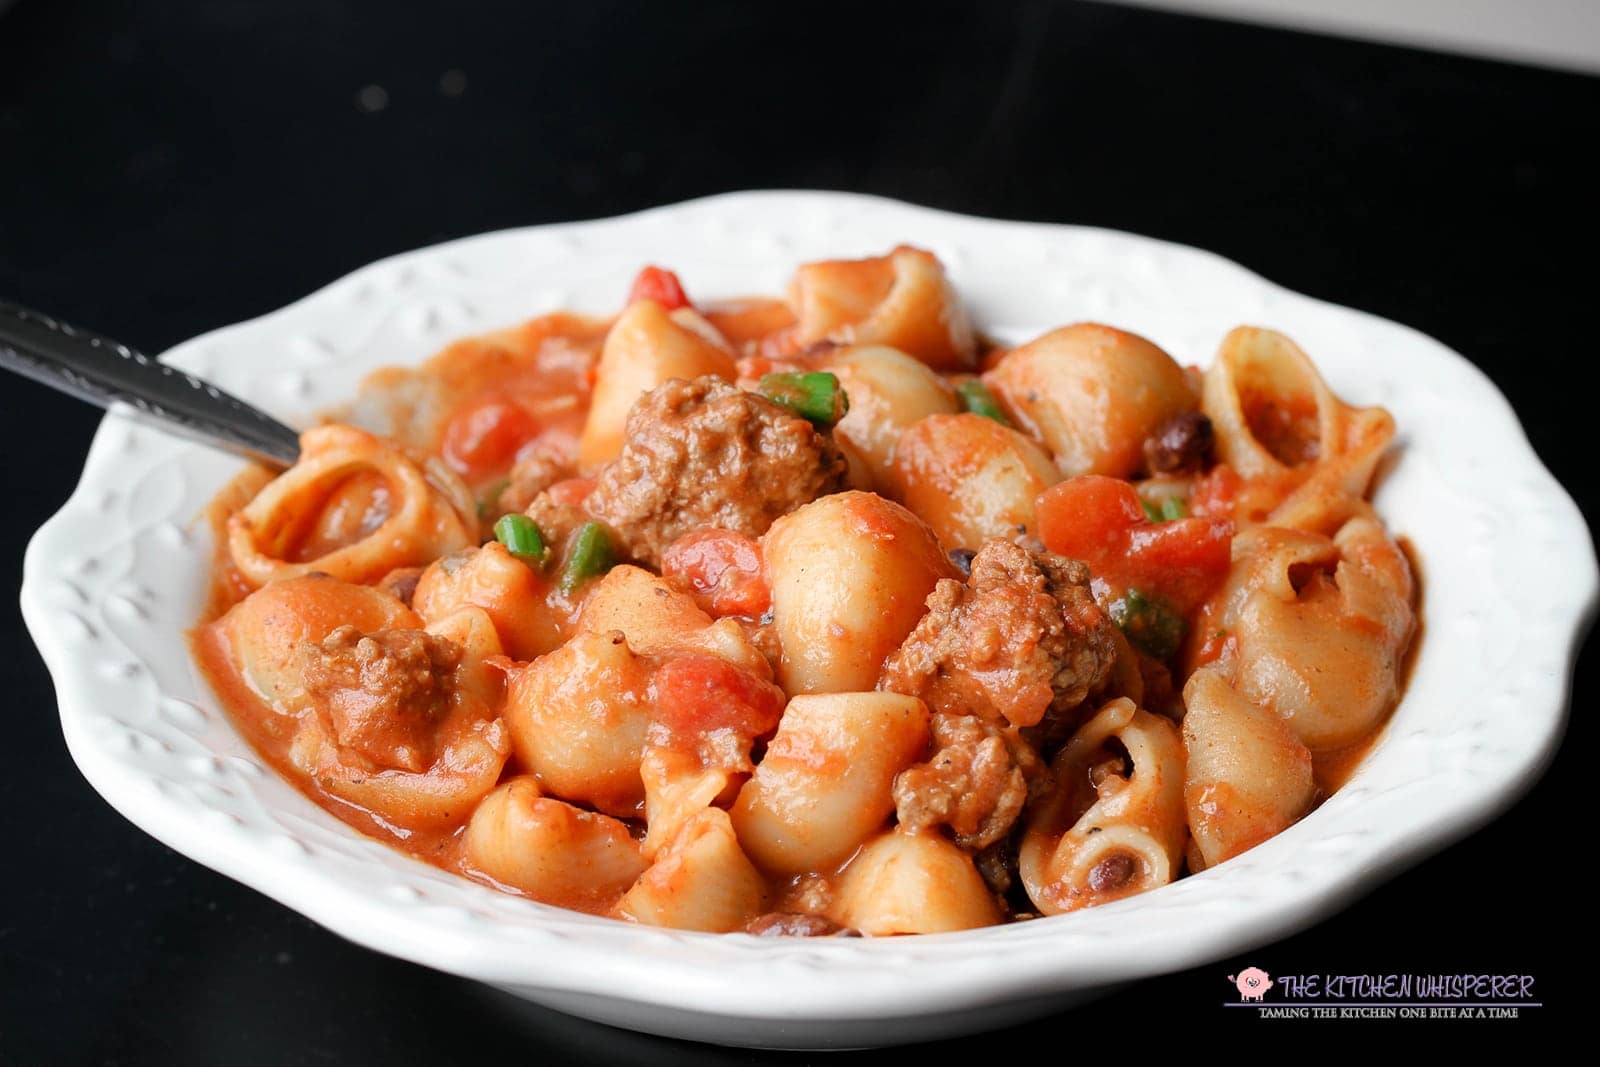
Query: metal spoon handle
(105, 372)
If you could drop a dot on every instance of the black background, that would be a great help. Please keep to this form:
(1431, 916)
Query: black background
(170, 168)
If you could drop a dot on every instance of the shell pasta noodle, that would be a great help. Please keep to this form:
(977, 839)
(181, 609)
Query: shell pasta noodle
(354, 507)
(821, 615)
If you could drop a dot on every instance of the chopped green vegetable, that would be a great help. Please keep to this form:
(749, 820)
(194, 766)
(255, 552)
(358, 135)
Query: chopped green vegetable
(1171, 508)
(1151, 626)
(813, 395)
(976, 398)
(591, 556)
(522, 538)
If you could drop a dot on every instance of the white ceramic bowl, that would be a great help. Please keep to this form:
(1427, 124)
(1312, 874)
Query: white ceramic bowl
(113, 581)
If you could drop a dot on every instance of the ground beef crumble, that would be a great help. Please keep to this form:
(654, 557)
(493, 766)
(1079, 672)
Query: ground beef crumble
(706, 453)
(977, 781)
(1022, 638)
(382, 694)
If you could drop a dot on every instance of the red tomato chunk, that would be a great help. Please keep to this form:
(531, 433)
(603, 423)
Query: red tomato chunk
(482, 440)
(724, 567)
(697, 695)
(1100, 521)
(662, 286)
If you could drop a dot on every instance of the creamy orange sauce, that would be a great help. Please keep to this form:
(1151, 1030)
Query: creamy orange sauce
(1333, 769)
(748, 321)
(271, 733)
(544, 368)
(227, 587)
(485, 404)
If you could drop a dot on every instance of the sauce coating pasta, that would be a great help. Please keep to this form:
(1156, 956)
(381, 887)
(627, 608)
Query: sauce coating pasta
(821, 615)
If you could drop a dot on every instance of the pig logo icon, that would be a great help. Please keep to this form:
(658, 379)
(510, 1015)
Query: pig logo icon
(1253, 983)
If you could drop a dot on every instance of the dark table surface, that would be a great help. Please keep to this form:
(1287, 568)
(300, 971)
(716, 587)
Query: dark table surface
(166, 169)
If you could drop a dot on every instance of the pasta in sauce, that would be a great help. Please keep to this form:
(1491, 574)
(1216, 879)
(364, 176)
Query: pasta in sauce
(818, 615)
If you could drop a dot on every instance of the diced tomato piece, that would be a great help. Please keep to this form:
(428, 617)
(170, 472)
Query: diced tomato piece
(696, 695)
(1214, 492)
(1180, 561)
(724, 567)
(1100, 521)
(571, 492)
(482, 440)
(1088, 517)
(662, 286)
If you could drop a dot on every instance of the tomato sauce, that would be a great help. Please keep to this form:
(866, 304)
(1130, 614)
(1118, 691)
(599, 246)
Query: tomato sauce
(492, 407)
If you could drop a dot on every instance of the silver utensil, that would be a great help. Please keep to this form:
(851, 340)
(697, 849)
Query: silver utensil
(107, 373)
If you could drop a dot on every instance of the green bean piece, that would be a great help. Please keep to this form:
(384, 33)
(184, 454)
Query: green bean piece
(1151, 626)
(976, 398)
(1171, 508)
(522, 538)
(813, 395)
(592, 555)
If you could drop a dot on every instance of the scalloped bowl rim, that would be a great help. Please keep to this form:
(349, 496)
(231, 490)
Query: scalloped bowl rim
(105, 582)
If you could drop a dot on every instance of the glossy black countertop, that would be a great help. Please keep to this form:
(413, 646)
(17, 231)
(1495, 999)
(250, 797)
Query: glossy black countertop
(167, 169)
